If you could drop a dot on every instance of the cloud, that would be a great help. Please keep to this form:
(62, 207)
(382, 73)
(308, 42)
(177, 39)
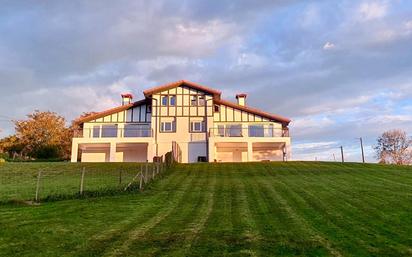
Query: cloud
(372, 10)
(339, 70)
(328, 45)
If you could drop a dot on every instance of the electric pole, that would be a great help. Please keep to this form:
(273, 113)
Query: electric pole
(341, 151)
(363, 153)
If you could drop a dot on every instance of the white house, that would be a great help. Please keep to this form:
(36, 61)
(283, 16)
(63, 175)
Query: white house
(189, 119)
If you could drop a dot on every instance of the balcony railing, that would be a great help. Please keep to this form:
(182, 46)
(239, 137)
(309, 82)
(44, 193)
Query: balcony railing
(249, 132)
(113, 133)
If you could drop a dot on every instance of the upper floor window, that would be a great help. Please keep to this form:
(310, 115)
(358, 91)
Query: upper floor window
(172, 100)
(217, 108)
(168, 126)
(193, 100)
(109, 130)
(201, 100)
(165, 100)
(197, 126)
(96, 131)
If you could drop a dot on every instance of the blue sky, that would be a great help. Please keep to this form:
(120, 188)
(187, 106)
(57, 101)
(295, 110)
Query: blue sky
(339, 69)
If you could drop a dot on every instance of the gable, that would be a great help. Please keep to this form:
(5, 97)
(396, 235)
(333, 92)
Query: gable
(182, 84)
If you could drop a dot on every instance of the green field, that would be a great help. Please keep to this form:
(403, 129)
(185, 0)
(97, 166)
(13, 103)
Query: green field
(254, 209)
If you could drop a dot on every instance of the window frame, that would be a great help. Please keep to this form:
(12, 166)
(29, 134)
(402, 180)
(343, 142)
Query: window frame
(174, 99)
(172, 126)
(164, 100)
(202, 127)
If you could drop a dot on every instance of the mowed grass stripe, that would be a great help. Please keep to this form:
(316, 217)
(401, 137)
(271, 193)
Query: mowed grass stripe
(349, 209)
(340, 216)
(170, 201)
(152, 205)
(300, 237)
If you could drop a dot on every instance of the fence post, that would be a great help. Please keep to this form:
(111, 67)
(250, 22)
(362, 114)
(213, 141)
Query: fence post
(38, 186)
(82, 181)
(146, 172)
(120, 177)
(153, 174)
(141, 181)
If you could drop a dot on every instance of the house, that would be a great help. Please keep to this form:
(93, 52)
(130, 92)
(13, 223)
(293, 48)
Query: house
(189, 119)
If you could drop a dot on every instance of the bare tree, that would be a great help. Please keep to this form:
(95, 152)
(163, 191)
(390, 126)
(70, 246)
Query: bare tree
(394, 147)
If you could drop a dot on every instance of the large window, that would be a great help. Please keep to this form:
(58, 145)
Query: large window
(234, 130)
(168, 126)
(197, 126)
(109, 130)
(256, 131)
(137, 130)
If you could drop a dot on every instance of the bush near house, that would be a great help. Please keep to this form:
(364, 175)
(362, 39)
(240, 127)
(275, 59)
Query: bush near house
(247, 209)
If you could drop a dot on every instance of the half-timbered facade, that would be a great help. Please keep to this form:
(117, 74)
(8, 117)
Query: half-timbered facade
(185, 117)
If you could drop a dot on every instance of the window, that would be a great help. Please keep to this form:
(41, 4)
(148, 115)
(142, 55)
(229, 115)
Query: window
(234, 130)
(217, 108)
(96, 131)
(136, 130)
(193, 100)
(109, 130)
(221, 130)
(201, 100)
(168, 126)
(172, 101)
(165, 99)
(256, 131)
(197, 126)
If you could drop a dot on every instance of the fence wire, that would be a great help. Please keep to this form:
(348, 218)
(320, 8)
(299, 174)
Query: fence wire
(53, 181)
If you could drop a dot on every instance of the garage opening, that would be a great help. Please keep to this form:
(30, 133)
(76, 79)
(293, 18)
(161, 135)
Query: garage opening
(94, 152)
(131, 152)
(268, 151)
(231, 152)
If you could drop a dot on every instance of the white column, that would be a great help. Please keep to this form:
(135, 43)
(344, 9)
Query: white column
(75, 151)
(211, 150)
(150, 151)
(112, 156)
(249, 151)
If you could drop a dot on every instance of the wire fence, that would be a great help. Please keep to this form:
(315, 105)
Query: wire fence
(25, 182)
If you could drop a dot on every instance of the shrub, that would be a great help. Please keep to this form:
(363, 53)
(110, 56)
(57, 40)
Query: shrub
(2, 160)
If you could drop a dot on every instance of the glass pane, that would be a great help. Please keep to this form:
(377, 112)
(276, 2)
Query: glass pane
(201, 100)
(109, 131)
(234, 130)
(96, 131)
(193, 100)
(164, 100)
(221, 130)
(173, 100)
(256, 131)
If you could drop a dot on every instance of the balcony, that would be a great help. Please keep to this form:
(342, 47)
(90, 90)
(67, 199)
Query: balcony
(102, 132)
(249, 132)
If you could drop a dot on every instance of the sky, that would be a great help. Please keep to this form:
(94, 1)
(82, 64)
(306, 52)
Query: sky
(339, 69)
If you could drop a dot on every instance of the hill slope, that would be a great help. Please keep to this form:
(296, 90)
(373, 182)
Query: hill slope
(252, 209)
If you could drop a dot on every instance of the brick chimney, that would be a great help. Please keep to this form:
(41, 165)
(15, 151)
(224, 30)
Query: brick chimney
(241, 99)
(127, 98)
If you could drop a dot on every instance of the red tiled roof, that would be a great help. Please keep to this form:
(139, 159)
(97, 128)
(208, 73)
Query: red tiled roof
(283, 120)
(164, 87)
(110, 111)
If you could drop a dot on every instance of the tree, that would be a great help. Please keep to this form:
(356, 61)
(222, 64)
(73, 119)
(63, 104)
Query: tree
(11, 145)
(394, 147)
(44, 135)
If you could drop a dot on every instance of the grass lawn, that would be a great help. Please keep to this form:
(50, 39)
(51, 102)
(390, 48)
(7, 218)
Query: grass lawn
(251, 209)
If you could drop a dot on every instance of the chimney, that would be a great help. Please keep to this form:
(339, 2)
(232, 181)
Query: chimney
(241, 99)
(126, 99)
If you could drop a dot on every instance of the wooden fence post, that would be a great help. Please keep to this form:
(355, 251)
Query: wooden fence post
(82, 181)
(38, 186)
(141, 181)
(120, 177)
